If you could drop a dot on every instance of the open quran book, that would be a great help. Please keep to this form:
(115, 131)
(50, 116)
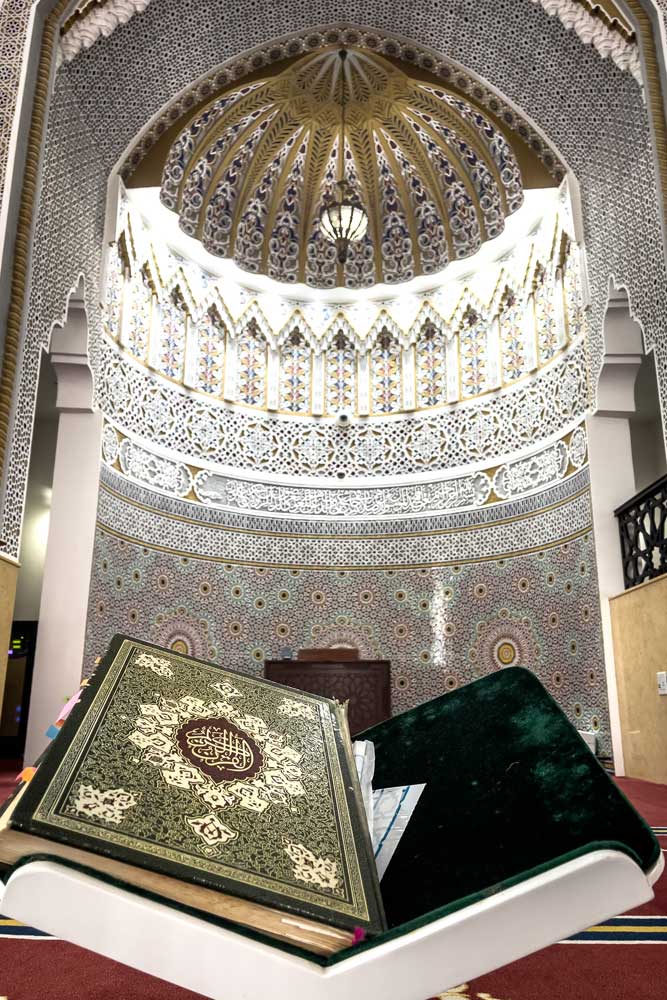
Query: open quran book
(184, 771)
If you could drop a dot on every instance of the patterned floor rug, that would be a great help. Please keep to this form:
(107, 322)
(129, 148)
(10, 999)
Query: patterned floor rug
(598, 964)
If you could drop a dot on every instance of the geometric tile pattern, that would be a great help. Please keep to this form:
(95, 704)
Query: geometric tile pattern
(440, 626)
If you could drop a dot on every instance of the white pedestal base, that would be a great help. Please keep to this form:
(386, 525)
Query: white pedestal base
(225, 965)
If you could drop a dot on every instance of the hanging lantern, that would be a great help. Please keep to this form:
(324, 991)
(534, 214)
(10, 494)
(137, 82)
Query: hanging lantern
(344, 219)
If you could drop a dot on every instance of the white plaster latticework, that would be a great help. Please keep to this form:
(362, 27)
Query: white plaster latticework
(155, 471)
(96, 19)
(536, 471)
(207, 432)
(609, 42)
(608, 36)
(591, 111)
(492, 532)
(183, 323)
(14, 18)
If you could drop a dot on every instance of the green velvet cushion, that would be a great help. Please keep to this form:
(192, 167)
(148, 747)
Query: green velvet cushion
(510, 786)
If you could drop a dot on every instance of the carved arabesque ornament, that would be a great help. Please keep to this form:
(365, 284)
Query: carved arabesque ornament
(249, 174)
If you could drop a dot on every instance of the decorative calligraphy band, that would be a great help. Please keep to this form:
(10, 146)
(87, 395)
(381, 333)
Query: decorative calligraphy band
(532, 472)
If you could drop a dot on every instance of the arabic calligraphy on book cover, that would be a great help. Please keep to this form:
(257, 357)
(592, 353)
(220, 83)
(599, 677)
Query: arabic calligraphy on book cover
(242, 783)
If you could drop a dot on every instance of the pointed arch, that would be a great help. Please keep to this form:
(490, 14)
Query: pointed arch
(252, 363)
(142, 254)
(298, 322)
(211, 347)
(385, 372)
(340, 325)
(214, 300)
(254, 316)
(506, 282)
(178, 282)
(340, 365)
(431, 364)
(467, 302)
(385, 322)
(295, 378)
(174, 317)
(427, 313)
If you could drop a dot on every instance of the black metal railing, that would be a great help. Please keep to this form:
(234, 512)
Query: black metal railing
(642, 523)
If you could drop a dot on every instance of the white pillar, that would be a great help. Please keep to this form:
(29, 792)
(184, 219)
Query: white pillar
(229, 387)
(69, 549)
(612, 483)
(363, 393)
(273, 379)
(612, 474)
(409, 378)
(318, 395)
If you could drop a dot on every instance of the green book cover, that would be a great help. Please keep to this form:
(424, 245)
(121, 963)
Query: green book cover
(214, 777)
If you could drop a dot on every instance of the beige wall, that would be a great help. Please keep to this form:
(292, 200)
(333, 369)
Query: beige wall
(8, 575)
(639, 627)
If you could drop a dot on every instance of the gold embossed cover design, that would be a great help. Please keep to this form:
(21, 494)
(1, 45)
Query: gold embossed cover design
(215, 777)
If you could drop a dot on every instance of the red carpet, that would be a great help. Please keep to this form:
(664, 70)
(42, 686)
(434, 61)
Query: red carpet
(607, 969)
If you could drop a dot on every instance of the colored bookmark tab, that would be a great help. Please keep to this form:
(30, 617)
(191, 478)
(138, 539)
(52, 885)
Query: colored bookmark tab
(68, 707)
(53, 730)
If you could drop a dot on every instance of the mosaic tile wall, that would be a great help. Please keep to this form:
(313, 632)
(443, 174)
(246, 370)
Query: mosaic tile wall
(441, 626)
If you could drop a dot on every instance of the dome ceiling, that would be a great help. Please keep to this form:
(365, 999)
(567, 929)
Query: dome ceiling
(249, 173)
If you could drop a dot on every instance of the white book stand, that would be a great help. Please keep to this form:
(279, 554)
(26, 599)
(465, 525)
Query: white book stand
(224, 964)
